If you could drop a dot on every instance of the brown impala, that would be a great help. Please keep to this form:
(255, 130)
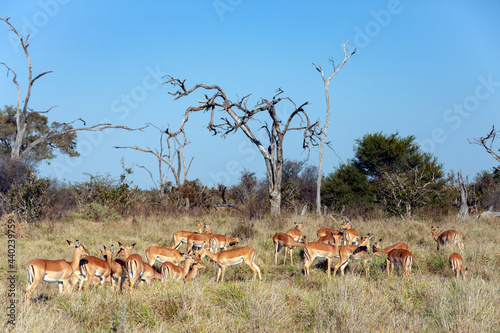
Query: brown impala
(447, 237)
(232, 257)
(54, 270)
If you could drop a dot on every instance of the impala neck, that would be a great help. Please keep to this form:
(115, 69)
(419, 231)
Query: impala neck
(76, 258)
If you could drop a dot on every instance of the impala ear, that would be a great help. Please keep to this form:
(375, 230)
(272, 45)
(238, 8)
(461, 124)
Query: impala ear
(77, 243)
(131, 246)
(111, 249)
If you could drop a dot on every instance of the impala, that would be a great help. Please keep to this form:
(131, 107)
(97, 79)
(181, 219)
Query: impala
(350, 236)
(54, 270)
(457, 266)
(281, 240)
(163, 254)
(447, 237)
(180, 237)
(91, 267)
(399, 257)
(232, 257)
(169, 270)
(193, 271)
(133, 263)
(296, 232)
(315, 250)
(117, 269)
(221, 242)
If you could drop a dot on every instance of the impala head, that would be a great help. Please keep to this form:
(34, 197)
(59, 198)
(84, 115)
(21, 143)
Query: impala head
(235, 240)
(298, 226)
(198, 225)
(434, 230)
(376, 247)
(346, 224)
(79, 247)
(123, 249)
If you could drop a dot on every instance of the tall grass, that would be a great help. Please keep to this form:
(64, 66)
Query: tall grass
(285, 301)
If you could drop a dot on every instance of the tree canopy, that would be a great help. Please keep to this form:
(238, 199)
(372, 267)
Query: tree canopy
(36, 126)
(389, 171)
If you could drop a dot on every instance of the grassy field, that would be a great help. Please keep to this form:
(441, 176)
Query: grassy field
(285, 301)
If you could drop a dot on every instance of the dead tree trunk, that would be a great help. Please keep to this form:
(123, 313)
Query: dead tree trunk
(326, 82)
(463, 213)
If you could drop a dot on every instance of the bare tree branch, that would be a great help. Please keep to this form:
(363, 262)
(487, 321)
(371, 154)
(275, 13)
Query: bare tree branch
(22, 113)
(487, 143)
(216, 100)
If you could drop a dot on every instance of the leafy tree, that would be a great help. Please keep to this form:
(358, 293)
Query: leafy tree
(346, 186)
(36, 126)
(390, 169)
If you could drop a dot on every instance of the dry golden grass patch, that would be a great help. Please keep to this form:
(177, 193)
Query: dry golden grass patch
(286, 300)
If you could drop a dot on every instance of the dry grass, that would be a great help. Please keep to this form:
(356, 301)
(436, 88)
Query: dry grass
(285, 301)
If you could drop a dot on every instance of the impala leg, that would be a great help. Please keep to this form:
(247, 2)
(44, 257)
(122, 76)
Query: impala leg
(286, 253)
(329, 262)
(223, 272)
(291, 255)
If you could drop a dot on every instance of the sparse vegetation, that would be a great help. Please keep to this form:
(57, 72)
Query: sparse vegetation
(286, 300)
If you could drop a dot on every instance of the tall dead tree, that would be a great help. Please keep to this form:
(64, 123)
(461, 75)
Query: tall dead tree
(487, 143)
(216, 100)
(464, 208)
(173, 157)
(23, 111)
(326, 83)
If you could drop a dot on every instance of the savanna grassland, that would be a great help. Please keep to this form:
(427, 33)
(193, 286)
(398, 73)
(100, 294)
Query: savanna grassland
(285, 301)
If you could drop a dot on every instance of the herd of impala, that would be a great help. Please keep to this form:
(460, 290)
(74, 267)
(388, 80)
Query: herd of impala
(344, 244)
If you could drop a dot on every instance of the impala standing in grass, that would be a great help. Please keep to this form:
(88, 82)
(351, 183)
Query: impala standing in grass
(54, 270)
(447, 237)
(133, 263)
(457, 266)
(91, 267)
(399, 257)
(281, 240)
(315, 250)
(232, 257)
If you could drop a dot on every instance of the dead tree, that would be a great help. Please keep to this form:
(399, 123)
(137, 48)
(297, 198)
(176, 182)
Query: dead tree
(326, 82)
(216, 100)
(174, 158)
(23, 111)
(464, 208)
(487, 143)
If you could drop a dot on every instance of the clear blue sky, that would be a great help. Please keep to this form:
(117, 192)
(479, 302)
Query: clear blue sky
(424, 68)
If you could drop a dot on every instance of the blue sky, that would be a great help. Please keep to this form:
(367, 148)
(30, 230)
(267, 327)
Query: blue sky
(429, 69)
